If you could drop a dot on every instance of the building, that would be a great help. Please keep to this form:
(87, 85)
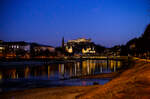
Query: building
(80, 40)
(80, 46)
(2, 48)
(15, 46)
(23, 49)
(38, 47)
(41, 51)
(17, 49)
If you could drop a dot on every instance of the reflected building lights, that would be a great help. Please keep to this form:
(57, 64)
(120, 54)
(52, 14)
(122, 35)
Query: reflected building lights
(75, 69)
(101, 69)
(11, 73)
(86, 67)
(61, 70)
(27, 72)
(48, 71)
(43, 70)
(1, 76)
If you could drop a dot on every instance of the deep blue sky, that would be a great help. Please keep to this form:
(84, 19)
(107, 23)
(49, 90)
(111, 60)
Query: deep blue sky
(106, 22)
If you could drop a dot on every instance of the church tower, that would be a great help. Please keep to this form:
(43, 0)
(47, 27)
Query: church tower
(63, 42)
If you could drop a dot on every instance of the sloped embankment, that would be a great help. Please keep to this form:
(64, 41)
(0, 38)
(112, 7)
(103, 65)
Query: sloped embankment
(134, 83)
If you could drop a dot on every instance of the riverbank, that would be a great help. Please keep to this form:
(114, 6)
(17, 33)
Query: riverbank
(133, 83)
(49, 93)
(65, 58)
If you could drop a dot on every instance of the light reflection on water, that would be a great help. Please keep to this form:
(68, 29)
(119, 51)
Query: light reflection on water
(21, 77)
(60, 71)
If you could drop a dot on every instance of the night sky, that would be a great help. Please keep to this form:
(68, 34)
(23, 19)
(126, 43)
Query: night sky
(106, 22)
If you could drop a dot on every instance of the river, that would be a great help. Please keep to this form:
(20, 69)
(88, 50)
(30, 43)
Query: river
(18, 77)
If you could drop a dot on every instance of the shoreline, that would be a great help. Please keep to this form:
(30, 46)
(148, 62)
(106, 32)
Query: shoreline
(44, 83)
(66, 58)
(68, 92)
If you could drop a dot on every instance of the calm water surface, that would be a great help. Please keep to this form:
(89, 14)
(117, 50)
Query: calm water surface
(55, 74)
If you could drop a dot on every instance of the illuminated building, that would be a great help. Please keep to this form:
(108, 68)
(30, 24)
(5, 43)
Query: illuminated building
(80, 46)
(88, 50)
(79, 40)
(69, 49)
(17, 49)
(23, 49)
(2, 48)
(15, 46)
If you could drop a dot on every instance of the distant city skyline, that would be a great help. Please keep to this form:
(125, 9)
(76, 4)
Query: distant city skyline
(106, 22)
